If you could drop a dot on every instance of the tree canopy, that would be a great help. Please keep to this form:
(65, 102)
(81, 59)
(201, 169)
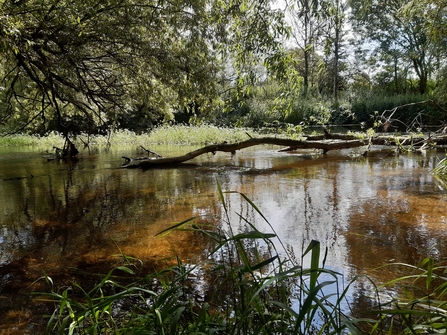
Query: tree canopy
(77, 65)
(101, 59)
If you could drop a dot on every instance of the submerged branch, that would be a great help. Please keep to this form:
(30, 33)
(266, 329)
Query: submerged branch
(325, 143)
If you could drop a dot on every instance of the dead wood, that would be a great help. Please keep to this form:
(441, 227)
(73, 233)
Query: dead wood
(150, 152)
(325, 143)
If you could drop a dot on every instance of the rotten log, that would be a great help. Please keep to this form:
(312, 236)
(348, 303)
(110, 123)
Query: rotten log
(324, 145)
(335, 142)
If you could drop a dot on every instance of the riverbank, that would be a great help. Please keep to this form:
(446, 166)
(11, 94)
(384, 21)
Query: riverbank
(178, 135)
(75, 221)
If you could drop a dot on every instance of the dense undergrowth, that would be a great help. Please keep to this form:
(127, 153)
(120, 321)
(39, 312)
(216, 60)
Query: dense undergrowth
(248, 283)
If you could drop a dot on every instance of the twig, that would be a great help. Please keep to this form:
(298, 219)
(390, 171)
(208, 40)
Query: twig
(151, 152)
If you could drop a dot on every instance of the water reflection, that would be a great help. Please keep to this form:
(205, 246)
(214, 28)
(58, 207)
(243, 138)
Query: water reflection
(56, 216)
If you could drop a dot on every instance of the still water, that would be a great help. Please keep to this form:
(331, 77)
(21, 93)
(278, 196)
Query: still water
(58, 216)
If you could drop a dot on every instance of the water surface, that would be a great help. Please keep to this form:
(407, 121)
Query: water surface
(56, 216)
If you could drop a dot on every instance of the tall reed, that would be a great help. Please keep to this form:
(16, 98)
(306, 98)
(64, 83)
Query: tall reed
(251, 284)
(441, 168)
(420, 307)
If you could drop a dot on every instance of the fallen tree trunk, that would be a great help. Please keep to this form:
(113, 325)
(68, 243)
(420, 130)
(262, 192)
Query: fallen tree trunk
(324, 145)
(331, 142)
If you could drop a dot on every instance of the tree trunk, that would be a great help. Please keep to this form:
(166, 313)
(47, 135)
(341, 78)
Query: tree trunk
(329, 142)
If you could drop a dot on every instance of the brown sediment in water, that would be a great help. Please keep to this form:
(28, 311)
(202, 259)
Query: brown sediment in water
(74, 224)
(26, 315)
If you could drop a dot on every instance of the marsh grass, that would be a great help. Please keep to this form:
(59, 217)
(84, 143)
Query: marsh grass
(248, 286)
(192, 135)
(51, 140)
(421, 305)
(176, 135)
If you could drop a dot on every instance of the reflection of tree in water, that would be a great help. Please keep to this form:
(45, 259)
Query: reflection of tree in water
(60, 216)
(400, 222)
(74, 220)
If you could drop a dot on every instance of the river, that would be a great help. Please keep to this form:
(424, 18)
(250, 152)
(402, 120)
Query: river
(56, 216)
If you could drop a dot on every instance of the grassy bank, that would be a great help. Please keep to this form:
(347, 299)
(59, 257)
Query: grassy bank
(175, 135)
(23, 140)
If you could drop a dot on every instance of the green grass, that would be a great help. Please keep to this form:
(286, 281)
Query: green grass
(365, 106)
(421, 306)
(20, 140)
(193, 135)
(440, 169)
(250, 287)
(176, 135)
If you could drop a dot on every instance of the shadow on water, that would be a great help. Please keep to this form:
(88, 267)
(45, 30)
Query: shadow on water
(66, 219)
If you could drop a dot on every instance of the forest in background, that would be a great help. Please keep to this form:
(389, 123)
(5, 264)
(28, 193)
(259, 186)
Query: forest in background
(92, 66)
(76, 66)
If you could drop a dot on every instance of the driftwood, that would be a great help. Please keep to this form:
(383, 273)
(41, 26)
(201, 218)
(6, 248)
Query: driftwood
(325, 143)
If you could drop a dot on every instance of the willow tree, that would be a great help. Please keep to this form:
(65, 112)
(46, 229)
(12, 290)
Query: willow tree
(105, 58)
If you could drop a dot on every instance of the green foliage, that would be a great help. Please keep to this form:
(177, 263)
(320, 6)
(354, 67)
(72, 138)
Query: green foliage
(401, 42)
(440, 92)
(441, 168)
(51, 140)
(434, 23)
(308, 20)
(421, 305)
(314, 112)
(193, 135)
(249, 287)
(318, 111)
(365, 108)
(255, 109)
(175, 135)
(107, 63)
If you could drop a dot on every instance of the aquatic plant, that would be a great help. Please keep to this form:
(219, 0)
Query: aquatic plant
(246, 286)
(420, 307)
